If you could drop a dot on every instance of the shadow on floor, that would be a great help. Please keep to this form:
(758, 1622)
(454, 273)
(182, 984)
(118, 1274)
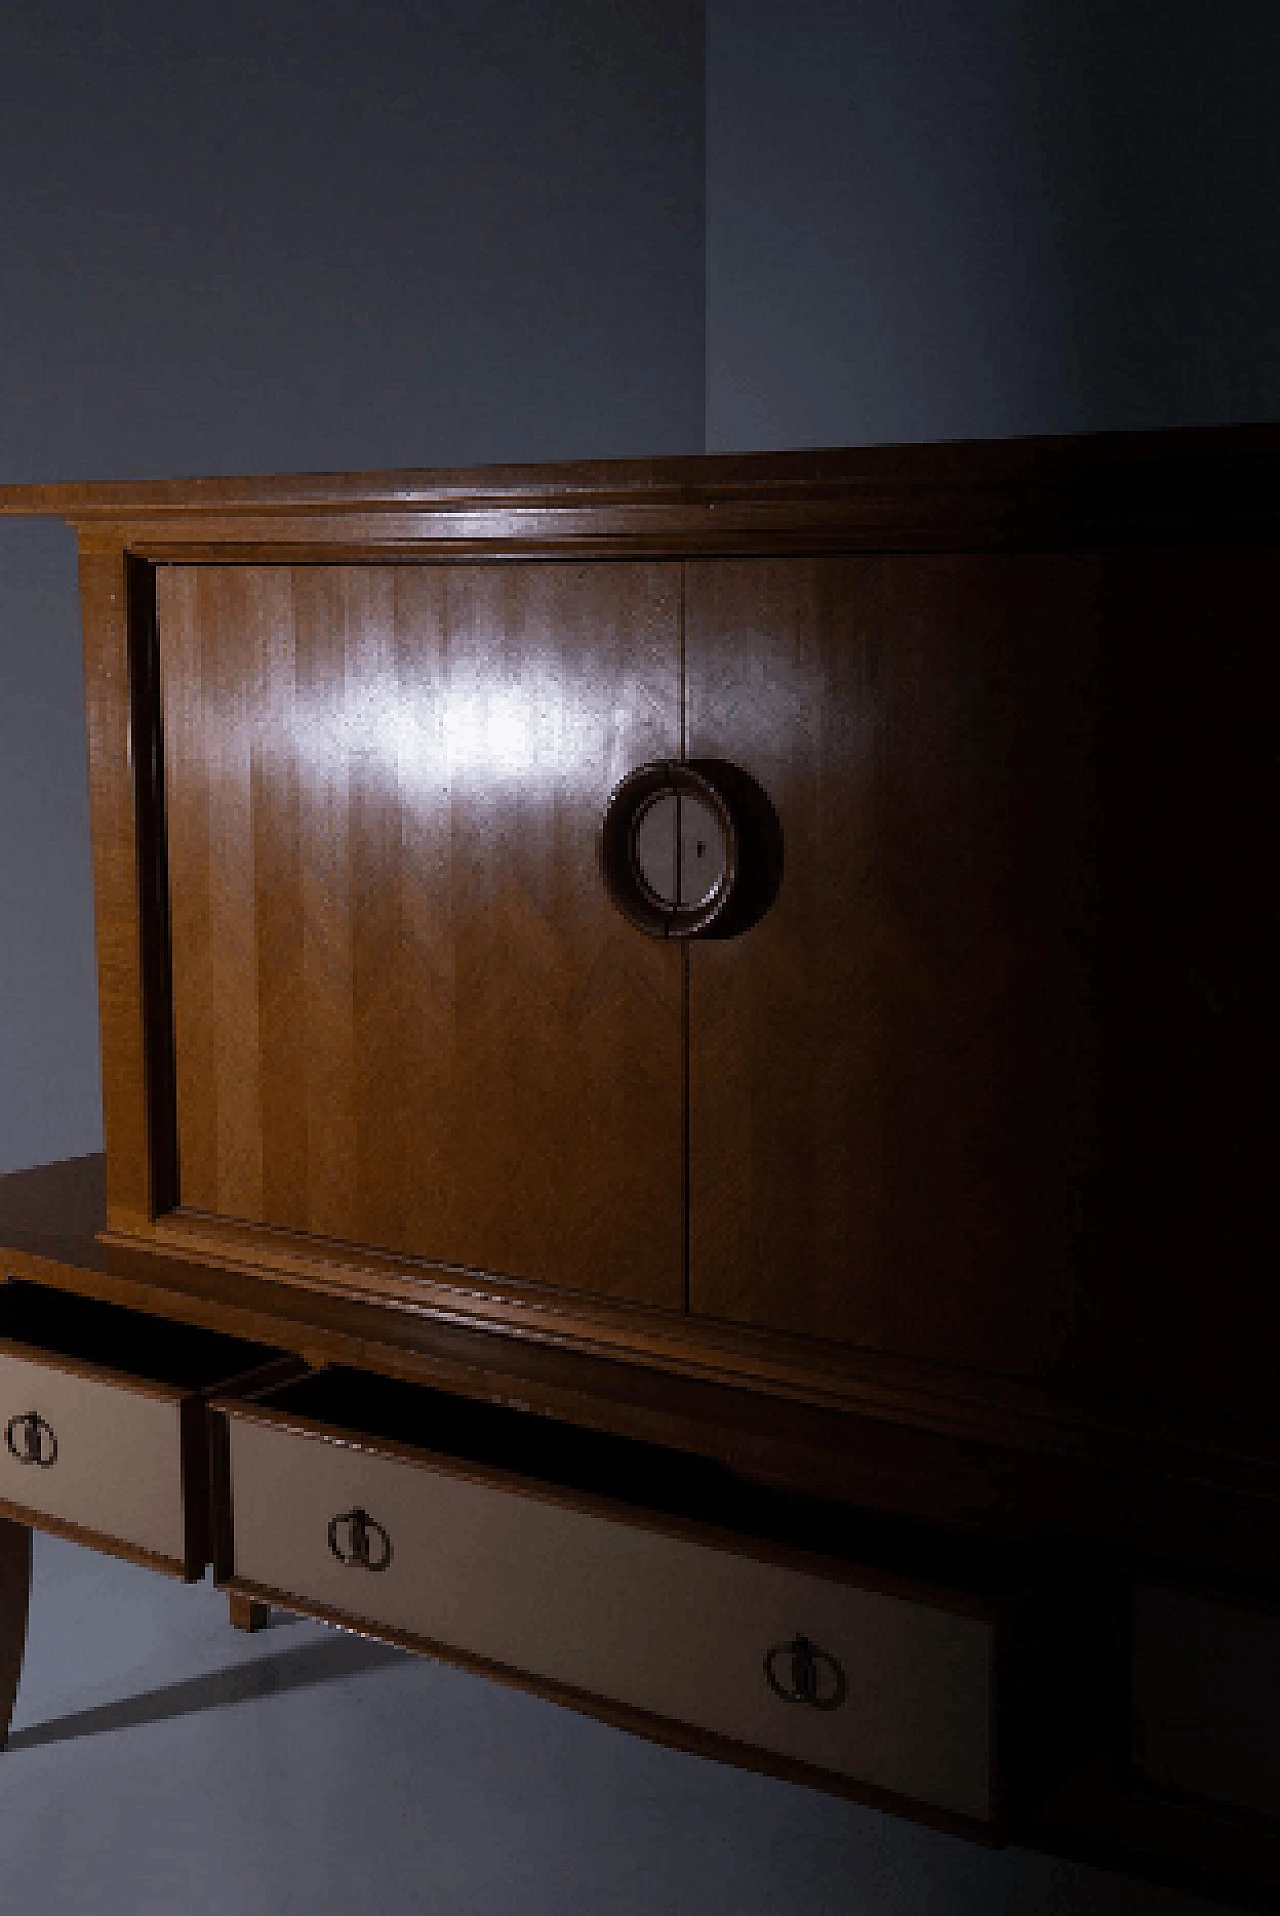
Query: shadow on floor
(258, 1676)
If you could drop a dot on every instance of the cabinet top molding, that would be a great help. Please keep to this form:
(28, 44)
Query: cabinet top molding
(1211, 481)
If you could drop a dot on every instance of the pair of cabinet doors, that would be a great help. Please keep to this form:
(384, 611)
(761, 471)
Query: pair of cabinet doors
(407, 1014)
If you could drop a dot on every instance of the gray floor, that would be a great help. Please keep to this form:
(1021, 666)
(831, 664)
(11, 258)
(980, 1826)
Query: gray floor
(161, 1762)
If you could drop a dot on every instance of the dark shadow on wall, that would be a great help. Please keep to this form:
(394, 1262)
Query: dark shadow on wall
(1158, 132)
(988, 218)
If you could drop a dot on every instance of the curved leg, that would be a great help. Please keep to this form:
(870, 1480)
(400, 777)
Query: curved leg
(15, 1594)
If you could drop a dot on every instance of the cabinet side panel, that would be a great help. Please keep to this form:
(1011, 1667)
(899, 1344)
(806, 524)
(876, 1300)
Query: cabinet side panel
(104, 602)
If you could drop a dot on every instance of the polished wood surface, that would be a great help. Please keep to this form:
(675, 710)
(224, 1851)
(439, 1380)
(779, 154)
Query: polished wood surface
(1096, 1315)
(406, 1013)
(15, 1598)
(988, 1087)
(115, 799)
(891, 1075)
(904, 1129)
(1218, 482)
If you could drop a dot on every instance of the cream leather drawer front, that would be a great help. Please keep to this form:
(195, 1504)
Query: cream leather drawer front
(103, 1455)
(661, 1623)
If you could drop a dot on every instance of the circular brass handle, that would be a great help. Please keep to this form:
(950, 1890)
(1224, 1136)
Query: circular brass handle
(39, 1444)
(669, 849)
(360, 1550)
(807, 1686)
(691, 848)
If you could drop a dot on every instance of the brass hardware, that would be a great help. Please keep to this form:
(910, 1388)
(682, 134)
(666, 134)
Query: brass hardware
(358, 1552)
(691, 848)
(34, 1431)
(805, 1658)
(669, 849)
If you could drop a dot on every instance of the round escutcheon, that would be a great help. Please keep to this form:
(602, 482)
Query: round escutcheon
(669, 849)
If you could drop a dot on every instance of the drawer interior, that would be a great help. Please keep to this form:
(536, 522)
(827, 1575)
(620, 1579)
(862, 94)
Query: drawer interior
(642, 1476)
(185, 1356)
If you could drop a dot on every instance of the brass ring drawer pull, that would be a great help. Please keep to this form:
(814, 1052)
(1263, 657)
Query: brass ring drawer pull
(805, 1658)
(35, 1449)
(358, 1551)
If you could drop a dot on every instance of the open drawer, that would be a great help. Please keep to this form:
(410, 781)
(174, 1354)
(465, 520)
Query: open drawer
(103, 1432)
(650, 1588)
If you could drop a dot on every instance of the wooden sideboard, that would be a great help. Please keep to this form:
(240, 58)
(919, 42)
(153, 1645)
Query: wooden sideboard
(853, 1202)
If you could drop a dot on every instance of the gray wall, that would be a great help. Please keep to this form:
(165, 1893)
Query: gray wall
(958, 219)
(306, 237)
(50, 1075)
(273, 239)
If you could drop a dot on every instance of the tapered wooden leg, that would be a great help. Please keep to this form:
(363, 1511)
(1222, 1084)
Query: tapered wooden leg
(247, 1613)
(15, 1596)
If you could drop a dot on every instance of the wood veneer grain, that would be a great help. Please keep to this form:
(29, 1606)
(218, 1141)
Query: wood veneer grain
(890, 1074)
(983, 493)
(406, 1014)
(114, 828)
(1068, 1389)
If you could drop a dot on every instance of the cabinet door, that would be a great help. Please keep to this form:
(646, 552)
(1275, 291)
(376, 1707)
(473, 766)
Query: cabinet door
(890, 1074)
(405, 1013)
